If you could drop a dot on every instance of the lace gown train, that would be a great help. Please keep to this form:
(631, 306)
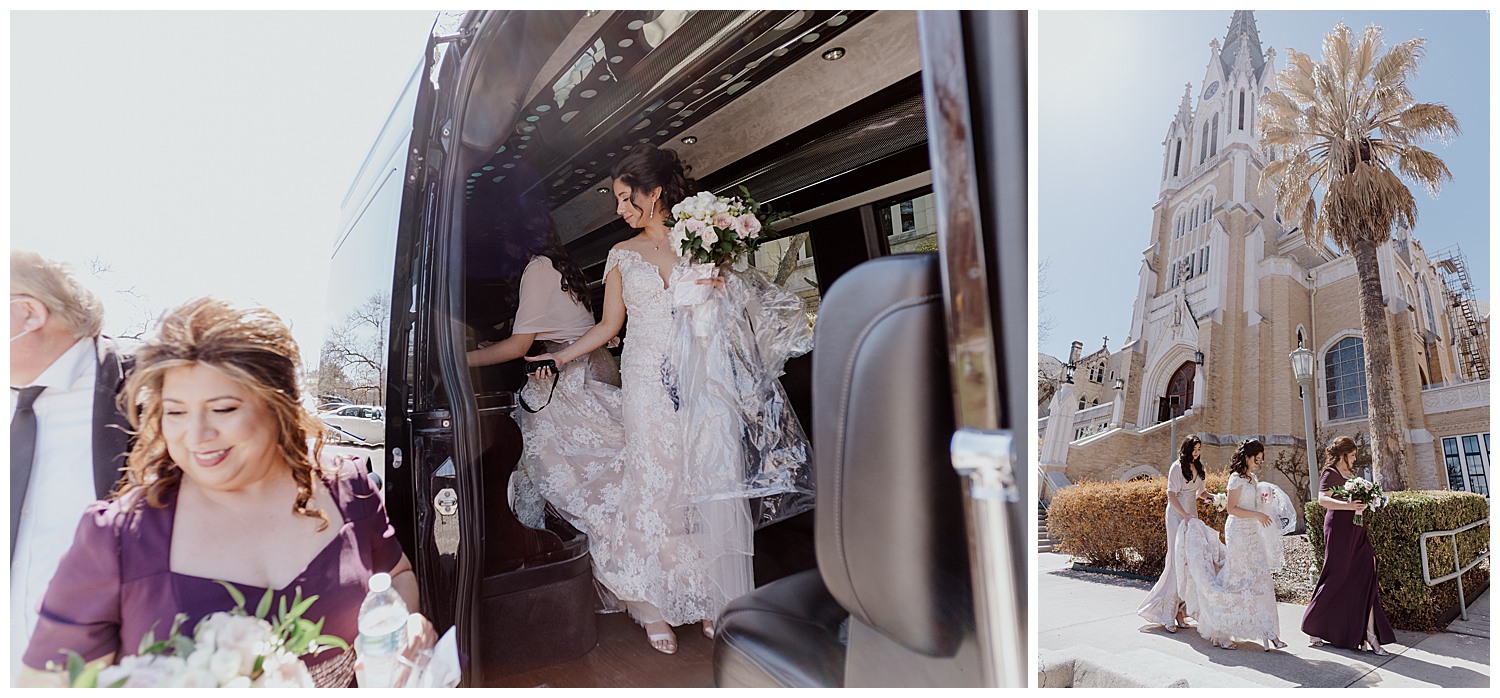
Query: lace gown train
(1227, 587)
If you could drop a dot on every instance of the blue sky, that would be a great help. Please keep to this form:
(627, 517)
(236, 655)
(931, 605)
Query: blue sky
(199, 153)
(1109, 84)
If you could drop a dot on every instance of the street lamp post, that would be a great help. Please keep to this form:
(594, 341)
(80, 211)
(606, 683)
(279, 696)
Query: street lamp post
(1302, 369)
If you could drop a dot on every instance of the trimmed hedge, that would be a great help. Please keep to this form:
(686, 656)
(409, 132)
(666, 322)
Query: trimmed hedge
(1395, 531)
(1120, 525)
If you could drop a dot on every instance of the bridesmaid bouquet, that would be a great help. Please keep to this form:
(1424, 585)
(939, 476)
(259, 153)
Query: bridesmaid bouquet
(717, 230)
(1358, 489)
(1220, 499)
(230, 649)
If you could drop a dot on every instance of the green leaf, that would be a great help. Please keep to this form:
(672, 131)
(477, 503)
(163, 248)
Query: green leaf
(147, 640)
(301, 607)
(258, 669)
(120, 683)
(326, 641)
(75, 667)
(239, 598)
(89, 678)
(264, 607)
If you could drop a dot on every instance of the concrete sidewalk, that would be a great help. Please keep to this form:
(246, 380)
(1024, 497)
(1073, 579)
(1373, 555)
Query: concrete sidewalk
(1089, 635)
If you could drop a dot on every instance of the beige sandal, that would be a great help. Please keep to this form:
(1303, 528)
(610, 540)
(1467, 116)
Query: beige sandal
(663, 642)
(710, 629)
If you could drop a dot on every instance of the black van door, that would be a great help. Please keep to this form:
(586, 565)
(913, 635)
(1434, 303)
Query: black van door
(492, 59)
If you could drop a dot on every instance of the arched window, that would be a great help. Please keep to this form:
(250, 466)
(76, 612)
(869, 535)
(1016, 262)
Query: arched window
(1203, 145)
(1344, 369)
(1242, 110)
(1214, 149)
(1177, 159)
(1083, 403)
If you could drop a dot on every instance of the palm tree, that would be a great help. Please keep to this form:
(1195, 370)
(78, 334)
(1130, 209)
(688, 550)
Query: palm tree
(1343, 132)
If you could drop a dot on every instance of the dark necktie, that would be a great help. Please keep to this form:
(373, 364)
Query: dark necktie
(22, 452)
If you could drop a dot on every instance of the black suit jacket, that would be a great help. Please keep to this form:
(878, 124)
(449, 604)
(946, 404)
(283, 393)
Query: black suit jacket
(111, 438)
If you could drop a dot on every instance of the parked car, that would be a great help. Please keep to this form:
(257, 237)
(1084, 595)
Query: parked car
(356, 423)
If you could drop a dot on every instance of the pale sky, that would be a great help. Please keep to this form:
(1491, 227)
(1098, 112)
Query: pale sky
(1109, 85)
(199, 153)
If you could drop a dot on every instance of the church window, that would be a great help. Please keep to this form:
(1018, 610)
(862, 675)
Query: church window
(1083, 403)
(1242, 110)
(1177, 159)
(1203, 260)
(1203, 145)
(1214, 149)
(1344, 369)
(1096, 402)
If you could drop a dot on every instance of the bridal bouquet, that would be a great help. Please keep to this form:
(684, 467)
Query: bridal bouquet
(717, 230)
(230, 649)
(1358, 489)
(1221, 500)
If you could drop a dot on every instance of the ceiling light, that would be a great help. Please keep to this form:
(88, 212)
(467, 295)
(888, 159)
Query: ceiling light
(602, 190)
(834, 53)
(689, 140)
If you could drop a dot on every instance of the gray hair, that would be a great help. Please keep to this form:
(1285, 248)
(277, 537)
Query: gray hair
(50, 283)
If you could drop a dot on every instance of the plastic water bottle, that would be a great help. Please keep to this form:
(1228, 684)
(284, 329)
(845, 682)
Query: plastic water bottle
(382, 633)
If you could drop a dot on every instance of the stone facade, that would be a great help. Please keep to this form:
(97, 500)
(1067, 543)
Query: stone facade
(1224, 278)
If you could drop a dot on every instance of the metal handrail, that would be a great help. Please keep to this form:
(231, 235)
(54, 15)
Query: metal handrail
(1457, 573)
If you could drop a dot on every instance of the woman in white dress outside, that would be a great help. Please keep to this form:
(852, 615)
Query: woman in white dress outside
(1185, 486)
(572, 440)
(671, 563)
(1228, 588)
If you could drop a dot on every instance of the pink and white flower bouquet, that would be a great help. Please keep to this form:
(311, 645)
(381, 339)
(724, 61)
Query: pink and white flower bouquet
(228, 649)
(717, 230)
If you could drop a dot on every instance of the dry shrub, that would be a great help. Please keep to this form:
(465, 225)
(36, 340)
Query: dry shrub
(1120, 525)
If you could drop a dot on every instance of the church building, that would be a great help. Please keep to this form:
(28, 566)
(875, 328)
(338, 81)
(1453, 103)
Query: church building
(1227, 290)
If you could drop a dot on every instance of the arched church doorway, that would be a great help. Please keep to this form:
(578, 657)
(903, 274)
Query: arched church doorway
(1179, 395)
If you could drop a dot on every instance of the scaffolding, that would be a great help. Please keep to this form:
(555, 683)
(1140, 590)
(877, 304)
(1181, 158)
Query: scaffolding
(1469, 331)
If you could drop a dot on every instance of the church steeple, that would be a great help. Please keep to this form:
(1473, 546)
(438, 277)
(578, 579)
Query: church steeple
(1242, 37)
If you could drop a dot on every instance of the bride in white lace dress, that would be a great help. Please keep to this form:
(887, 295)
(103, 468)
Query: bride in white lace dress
(1227, 587)
(671, 563)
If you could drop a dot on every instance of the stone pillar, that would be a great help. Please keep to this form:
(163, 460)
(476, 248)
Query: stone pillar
(1117, 419)
(1054, 455)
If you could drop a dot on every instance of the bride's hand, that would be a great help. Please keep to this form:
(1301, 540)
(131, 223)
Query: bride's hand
(1265, 520)
(715, 281)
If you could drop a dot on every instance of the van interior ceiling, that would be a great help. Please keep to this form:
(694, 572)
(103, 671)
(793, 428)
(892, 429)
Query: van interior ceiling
(818, 113)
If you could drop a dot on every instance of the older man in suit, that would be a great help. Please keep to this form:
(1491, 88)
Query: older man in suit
(67, 436)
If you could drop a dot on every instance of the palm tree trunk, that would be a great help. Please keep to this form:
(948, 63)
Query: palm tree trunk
(1385, 434)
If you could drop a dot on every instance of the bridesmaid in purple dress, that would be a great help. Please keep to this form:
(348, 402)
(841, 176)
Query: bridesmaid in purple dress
(220, 486)
(1345, 609)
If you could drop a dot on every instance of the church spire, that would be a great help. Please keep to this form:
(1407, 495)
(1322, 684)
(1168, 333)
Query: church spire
(1185, 109)
(1242, 36)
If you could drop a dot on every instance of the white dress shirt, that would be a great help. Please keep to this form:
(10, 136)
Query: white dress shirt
(62, 485)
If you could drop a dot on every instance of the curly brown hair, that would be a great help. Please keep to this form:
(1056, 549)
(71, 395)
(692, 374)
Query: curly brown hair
(252, 346)
(1187, 461)
(1239, 463)
(649, 167)
(1342, 446)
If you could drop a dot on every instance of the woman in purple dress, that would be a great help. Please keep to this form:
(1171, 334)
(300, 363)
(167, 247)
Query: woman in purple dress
(220, 486)
(1345, 609)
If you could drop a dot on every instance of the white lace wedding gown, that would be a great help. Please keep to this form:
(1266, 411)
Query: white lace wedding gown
(1227, 587)
(678, 561)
